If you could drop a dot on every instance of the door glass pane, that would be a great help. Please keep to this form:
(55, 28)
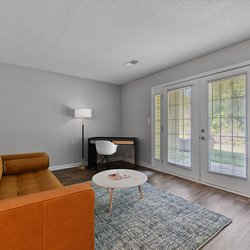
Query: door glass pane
(179, 126)
(227, 126)
(157, 134)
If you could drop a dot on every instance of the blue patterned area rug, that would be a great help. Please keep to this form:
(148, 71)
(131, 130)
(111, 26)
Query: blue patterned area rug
(159, 221)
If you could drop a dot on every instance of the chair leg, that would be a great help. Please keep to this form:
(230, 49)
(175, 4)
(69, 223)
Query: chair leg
(106, 158)
(99, 163)
(110, 163)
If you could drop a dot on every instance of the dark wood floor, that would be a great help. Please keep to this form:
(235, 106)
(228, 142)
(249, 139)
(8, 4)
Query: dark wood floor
(235, 236)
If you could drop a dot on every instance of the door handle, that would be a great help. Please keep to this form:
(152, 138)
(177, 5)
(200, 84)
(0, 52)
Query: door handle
(203, 138)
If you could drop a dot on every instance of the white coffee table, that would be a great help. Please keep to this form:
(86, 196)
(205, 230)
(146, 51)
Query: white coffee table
(136, 179)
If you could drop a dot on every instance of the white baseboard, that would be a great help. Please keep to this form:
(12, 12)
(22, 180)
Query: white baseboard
(70, 165)
(77, 164)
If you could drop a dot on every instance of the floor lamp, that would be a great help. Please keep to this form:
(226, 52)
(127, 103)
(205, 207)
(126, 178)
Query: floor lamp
(83, 114)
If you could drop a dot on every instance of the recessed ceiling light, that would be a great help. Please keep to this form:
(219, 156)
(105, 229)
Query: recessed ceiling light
(130, 63)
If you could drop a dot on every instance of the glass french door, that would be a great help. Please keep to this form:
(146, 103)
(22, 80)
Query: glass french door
(181, 120)
(203, 130)
(224, 130)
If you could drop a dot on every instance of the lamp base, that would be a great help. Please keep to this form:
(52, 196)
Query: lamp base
(82, 167)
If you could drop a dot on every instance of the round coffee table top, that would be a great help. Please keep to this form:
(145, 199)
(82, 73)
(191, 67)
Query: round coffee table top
(136, 178)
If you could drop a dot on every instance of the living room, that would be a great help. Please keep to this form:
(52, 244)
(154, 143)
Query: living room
(126, 61)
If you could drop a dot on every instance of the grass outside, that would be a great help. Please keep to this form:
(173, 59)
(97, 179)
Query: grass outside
(223, 157)
(227, 157)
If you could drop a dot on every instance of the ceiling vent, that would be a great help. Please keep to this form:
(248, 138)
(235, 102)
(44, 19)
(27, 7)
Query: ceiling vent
(130, 63)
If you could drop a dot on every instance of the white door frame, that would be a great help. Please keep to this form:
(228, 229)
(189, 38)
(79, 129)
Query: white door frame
(239, 183)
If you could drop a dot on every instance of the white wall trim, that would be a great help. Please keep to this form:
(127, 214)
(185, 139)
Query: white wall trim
(204, 74)
(77, 164)
(65, 166)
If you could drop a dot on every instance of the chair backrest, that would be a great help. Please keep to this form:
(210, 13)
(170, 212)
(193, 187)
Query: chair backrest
(105, 147)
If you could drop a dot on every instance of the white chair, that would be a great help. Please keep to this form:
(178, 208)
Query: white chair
(105, 148)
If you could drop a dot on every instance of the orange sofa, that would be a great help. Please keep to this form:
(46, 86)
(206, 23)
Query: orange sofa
(38, 212)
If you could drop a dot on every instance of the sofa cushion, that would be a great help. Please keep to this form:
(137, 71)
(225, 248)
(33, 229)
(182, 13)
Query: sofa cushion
(36, 181)
(20, 166)
(8, 187)
(47, 180)
(27, 183)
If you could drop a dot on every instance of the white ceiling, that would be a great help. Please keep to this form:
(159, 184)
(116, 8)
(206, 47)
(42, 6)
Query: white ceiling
(94, 38)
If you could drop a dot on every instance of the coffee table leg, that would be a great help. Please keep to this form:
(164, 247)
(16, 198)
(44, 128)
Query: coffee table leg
(111, 199)
(140, 191)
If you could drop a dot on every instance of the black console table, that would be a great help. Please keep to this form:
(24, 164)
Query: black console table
(92, 154)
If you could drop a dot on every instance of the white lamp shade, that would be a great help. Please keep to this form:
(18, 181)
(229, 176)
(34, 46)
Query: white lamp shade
(83, 113)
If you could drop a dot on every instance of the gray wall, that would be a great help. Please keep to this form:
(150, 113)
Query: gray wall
(136, 96)
(36, 112)
(36, 106)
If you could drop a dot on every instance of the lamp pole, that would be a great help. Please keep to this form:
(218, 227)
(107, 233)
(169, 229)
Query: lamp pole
(82, 114)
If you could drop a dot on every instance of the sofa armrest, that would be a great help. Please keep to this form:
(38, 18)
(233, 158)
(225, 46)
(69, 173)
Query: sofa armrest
(61, 218)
